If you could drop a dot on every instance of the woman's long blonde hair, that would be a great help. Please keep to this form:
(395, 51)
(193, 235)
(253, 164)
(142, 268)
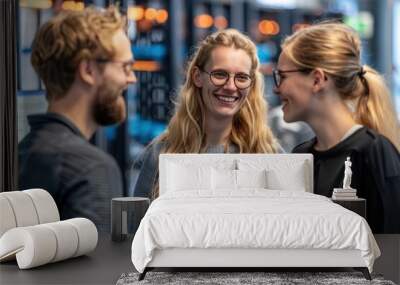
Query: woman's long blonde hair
(250, 132)
(336, 48)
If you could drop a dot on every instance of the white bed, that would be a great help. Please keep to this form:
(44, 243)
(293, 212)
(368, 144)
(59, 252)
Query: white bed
(253, 210)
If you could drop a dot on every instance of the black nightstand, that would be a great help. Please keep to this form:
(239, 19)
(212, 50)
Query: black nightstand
(126, 214)
(358, 205)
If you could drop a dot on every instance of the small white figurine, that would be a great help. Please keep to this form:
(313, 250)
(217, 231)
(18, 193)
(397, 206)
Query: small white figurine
(345, 193)
(347, 174)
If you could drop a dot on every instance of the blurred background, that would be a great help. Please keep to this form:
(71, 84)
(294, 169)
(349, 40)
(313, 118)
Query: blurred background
(163, 35)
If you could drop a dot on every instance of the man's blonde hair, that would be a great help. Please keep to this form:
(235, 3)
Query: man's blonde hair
(62, 43)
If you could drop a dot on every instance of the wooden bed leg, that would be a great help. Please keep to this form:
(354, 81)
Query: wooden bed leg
(364, 271)
(143, 274)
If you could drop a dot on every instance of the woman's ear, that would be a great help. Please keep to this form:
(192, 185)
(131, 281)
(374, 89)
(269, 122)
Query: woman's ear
(196, 77)
(320, 80)
(86, 72)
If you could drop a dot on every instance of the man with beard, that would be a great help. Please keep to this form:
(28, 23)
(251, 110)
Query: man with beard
(85, 61)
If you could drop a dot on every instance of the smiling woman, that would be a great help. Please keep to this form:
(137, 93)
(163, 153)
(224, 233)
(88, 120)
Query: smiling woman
(321, 80)
(220, 108)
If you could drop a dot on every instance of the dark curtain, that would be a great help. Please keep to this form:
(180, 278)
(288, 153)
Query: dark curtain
(8, 98)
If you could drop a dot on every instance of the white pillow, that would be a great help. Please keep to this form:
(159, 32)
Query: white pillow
(283, 173)
(223, 179)
(182, 177)
(293, 181)
(251, 178)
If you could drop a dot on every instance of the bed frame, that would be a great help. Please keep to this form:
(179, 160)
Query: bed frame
(245, 259)
(259, 259)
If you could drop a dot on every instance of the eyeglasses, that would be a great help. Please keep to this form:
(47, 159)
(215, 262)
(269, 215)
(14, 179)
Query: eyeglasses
(277, 74)
(220, 78)
(127, 66)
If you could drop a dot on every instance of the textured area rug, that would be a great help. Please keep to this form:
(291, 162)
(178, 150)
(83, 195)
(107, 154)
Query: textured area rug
(229, 278)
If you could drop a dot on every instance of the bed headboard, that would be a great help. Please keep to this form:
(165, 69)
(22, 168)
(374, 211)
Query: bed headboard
(285, 171)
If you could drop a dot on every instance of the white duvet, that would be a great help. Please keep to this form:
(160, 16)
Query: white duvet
(252, 218)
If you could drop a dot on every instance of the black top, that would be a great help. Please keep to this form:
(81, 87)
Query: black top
(81, 178)
(376, 175)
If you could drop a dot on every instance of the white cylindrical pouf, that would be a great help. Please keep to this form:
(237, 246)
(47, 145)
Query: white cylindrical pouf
(67, 239)
(87, 235)
(7, 218)
(23, 208)
(45, 206)
(33, 246)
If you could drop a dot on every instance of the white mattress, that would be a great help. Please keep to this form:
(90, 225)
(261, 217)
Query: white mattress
(252, 218)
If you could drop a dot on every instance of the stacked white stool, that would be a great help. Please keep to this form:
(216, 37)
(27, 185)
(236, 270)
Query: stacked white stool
(31, 230)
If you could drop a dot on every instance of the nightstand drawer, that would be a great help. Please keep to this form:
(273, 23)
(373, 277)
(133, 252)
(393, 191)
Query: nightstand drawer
(358, 205)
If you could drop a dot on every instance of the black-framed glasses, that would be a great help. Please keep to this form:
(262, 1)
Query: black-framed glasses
(277, 74)
(220, 77)
(127, 66)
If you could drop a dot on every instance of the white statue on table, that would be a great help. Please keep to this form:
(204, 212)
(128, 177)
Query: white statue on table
(347, 174)
(345, 193)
